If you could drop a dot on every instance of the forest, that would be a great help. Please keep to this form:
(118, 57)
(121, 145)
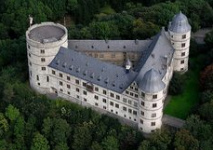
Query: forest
(32, 121)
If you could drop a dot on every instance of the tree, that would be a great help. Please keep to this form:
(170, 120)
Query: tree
(177, 84)
(39, 142)
(96, 146)
(110, 143)
(185, 141)
(12, 113)
(4, 126)
(82, 137)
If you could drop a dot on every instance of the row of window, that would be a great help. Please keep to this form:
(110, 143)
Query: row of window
(152, 123)
(131, 94)
(153, 96)
(183, 36)
(125, 100)
(153, 115)
(154, 105)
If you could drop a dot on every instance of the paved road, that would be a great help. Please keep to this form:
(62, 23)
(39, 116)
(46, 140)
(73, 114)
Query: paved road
(200, 35)
(172, 121)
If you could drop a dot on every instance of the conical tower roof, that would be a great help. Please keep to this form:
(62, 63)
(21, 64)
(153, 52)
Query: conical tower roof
(179, 24)
(151, 82)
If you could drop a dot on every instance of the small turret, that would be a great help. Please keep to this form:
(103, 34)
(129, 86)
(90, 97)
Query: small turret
(128, 65)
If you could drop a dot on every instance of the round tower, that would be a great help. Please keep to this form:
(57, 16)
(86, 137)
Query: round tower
(180, 33)
(43, 43)
(151, 99)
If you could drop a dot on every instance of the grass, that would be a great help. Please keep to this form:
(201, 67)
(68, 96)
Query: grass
(181, 105)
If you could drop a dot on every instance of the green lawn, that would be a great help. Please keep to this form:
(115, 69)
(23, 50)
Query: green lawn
(181, 105)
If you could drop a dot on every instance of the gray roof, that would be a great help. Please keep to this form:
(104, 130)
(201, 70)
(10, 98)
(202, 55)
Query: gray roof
(93, 70)
(109, 45)
(157, 56)
(46, 34)
(151, 82)
(179, 24)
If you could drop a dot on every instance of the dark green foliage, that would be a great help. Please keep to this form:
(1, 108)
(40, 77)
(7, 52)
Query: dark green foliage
(177, 84)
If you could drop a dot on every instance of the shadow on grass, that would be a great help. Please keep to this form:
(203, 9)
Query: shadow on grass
(181, 105)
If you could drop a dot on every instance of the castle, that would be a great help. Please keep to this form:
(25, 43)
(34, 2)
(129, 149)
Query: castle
(127, 78)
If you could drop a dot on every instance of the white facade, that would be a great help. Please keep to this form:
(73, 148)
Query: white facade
(143, 108)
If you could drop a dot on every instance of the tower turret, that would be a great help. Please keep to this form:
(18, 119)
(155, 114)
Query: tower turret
(151, 98)
(180, 33)
(43, 43)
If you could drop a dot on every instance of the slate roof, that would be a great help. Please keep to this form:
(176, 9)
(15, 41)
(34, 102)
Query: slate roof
(157, 56)
(46, 33)
(151, 82)
(179, 24)
(109, 45)
(93, 70)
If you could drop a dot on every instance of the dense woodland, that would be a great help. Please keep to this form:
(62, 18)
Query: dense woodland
(32, 121)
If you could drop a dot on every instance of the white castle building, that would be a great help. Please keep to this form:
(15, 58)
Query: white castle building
(68, 69)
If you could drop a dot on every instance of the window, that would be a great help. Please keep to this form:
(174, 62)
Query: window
(127, 92)
(38, 83)
(111, 103)
(77, 96)
(42, 51)
(28, 46)
(130, 111)
(77, 90)
(124, 100)
(183, 45)
(155, 96)
(96, 97)
(141, 121)
(47, 78)
(43, 68)
(182, 62)
(104, 107)
(129, 102)
(111, 94)
(153, 115)
(96, 104)
(104, 92)
(29, 55)
(182, 69)
(134, 112)
(68, 86)
(60, 83)
(77, 81)
(131, 93)
(53, 72)
(61, 75)
(30, 64)
(42, 59)
(143, 94)
(183, 54)
(84, 84)
(101, 55)
(154, 105)
(117, 97)
(68, 78)
(152, 123)
(113, 55)
(184, 36)
(96, 88)
(136, 95)
(142, 103)
(61, 90)
(37, 78)
(104, 100)
(85, 92)
(68, 93)
(124, 108)
(135, 104)
(117, 105)
(85, 99)
(142, 113)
